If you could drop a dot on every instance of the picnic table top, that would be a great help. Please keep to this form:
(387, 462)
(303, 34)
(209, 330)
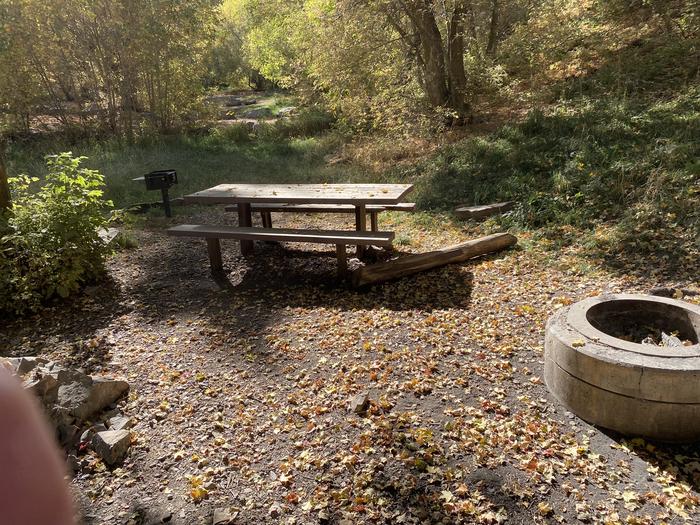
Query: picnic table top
(302, 193)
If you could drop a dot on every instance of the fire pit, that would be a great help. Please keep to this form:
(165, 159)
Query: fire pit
(630, 363)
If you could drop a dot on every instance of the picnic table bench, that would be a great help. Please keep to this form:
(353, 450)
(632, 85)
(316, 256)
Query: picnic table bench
(268, 197)
(341, 239)
(266, 210)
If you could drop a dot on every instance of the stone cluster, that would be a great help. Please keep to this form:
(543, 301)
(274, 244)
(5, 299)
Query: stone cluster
(75, 403)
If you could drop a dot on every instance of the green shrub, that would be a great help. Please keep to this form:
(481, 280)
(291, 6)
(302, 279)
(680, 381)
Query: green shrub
(49, 242)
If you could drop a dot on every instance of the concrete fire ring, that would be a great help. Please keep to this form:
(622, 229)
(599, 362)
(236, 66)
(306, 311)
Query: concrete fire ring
(634, 389)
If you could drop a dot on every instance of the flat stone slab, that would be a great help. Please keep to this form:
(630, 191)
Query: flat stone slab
(483, 211)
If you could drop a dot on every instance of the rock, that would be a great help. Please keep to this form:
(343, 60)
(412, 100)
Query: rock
(27, 364)
(360, 403)
(120, 423)
(8, 363)
(275, 510)
(86, 399)
(257, 113)
(286, 111)
(45, 388)
(87, 436)
(112, 445)
(65, 376)
(224, 516)
(73, 463)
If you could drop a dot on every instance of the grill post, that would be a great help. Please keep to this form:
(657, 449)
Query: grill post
(166, 201)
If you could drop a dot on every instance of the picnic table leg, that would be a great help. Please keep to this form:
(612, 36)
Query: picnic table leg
(360, 225)
(342, 261)
(374, 221)
(214, 249)
(245, 218)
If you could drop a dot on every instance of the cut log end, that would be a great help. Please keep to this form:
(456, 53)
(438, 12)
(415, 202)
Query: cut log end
(411, 264)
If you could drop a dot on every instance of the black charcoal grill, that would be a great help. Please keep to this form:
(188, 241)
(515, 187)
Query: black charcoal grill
(161, 180)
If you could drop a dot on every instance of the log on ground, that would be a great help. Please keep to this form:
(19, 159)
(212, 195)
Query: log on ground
(410, 264)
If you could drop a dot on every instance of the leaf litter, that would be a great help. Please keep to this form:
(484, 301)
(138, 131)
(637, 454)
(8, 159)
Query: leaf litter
(242, 395)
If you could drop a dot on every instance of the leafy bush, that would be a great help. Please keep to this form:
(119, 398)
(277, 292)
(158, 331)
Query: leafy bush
(306, 123)
(49, 242)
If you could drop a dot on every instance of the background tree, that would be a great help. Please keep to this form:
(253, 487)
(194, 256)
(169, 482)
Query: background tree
(4, 186)
(103, 64)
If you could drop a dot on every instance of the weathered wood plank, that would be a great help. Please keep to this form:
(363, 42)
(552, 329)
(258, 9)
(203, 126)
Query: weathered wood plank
(374, 220)
(302, 193)
(283, 235)
(214, 250)
(323, 208)
(483, 211)
(410, 264)
(245, 219)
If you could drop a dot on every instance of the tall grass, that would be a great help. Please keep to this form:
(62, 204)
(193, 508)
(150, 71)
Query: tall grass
(200, 160)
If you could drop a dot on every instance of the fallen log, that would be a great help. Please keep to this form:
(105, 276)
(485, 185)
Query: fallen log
(483, 211)
(419, 262)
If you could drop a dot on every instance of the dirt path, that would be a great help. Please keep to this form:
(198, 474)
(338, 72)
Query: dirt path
(242, 395)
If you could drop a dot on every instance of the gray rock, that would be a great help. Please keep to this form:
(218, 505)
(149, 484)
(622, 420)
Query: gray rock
(87, 436)
(275, 510)
(45, 388)
(359, 403)
(257, 113)
(27, 364)
(112, 445)
(65, 376)
(223, 516)
(286, 111)
(85, 399)
(120, 423)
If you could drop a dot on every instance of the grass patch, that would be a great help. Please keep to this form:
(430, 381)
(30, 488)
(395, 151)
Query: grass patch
(584, 165)
(200, 160)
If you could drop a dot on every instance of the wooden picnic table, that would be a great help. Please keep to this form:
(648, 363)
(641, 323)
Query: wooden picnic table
(358, 195)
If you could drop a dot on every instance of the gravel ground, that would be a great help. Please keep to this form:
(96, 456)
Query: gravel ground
(241, 393)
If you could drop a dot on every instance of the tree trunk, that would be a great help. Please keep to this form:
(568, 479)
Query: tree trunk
(493, 30)
(432, 53)
(455, 52)
(4, 185)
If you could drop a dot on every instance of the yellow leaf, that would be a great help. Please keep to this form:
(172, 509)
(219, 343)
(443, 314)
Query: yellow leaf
(447, 496)
(198, 494)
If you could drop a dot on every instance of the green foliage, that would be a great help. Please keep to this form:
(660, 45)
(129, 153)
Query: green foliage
(50, 245)
(585, 164)
(112, 67)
